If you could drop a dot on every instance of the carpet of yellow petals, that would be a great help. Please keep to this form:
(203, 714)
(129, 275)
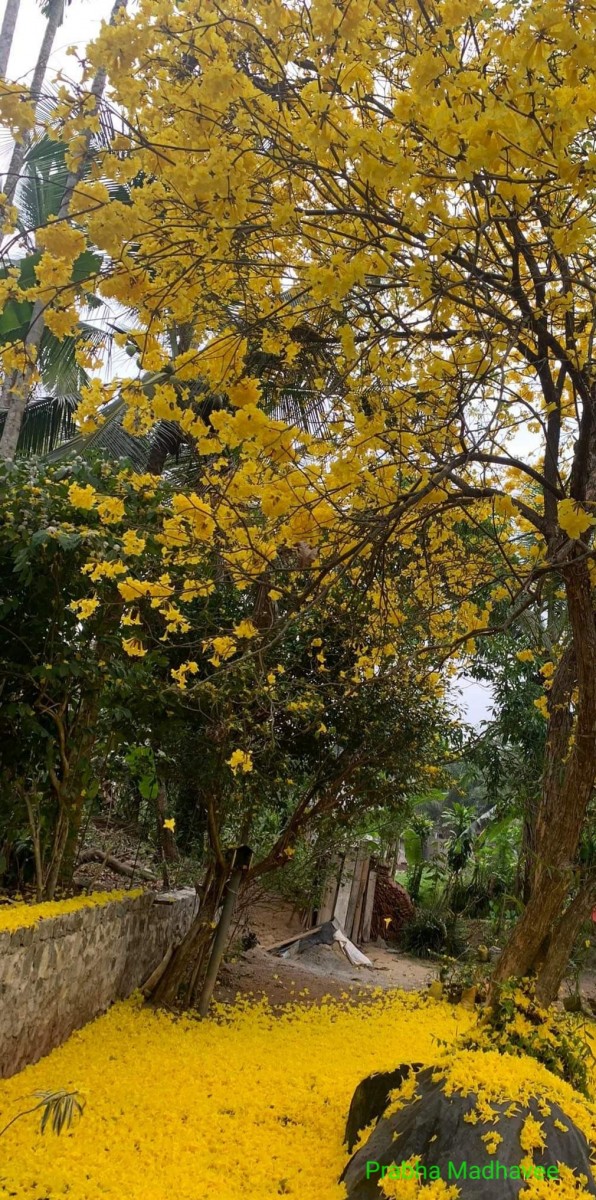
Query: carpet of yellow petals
(21, 916)
(253, 1105)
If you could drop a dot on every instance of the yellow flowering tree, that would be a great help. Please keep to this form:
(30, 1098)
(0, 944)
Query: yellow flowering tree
(410, 192)
(285, 747)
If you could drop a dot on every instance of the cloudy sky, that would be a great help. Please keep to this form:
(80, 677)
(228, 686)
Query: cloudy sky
(82, 22)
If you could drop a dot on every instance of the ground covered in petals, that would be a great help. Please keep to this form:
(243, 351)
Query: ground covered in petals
(249, 1105)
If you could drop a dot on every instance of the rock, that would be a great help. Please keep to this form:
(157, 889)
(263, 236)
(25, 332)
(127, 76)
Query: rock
(432, 1127)
(372, 1097)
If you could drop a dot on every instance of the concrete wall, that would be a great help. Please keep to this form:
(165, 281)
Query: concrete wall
(57, 975)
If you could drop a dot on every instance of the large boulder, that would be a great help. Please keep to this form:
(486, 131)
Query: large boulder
(435, 1128)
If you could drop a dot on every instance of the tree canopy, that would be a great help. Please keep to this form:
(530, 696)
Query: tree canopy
(399, 198)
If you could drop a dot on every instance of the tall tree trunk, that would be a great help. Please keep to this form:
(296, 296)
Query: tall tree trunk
(563, 940)
(527, 853)
(53, 23)
(17, 386)
(9, 21)
(180, 979)
(570, 771)
(167, 840)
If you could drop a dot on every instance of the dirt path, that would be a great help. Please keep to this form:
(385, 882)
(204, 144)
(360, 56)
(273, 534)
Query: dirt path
(258, 973)
(325, 971)
(304, 979)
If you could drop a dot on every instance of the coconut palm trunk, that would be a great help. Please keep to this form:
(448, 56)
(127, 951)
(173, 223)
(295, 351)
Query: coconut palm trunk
(17, 385)
(54, 16)
(9, 21)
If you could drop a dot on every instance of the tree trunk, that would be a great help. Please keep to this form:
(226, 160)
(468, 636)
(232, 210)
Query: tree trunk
(9, 21)
(180, 976)
(17, 386)
(53, 23)
(562, 942)
(527, 853)
(570, 771)
(166, 838)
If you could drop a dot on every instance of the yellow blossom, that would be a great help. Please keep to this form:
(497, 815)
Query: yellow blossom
(134, 647)
(82, 496)
(111, 510)
(180, 674)
(84, 608)
(240, 760)
(248, 391)
(573, 519)
(22, 916)
(245, 629)
(223, 648)
(132, 544)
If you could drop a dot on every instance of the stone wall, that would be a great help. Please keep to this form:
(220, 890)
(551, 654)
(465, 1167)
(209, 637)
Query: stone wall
(60, 973)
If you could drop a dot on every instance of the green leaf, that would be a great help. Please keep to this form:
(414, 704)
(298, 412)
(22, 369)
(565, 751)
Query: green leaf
(14, 320)
(412, 847)
(86, 265)
(68, 541)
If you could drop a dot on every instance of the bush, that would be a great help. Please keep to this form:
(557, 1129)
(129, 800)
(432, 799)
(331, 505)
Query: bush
(431, 933)
(516, 1024)
(458, 977)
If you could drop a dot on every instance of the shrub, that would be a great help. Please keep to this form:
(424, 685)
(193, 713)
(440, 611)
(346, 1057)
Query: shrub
(431, 933)
(516, 1024)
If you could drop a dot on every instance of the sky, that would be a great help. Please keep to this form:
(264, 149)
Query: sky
(82, 23)
(474, 700)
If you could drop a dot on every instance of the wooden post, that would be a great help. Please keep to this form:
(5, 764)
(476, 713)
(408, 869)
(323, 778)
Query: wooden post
(369, 901)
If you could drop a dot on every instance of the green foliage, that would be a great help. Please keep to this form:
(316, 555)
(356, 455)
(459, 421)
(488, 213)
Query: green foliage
(58, 1110)
(458, 975)
(328, 758)
(141, 762)
(415, 838)
(461, 839)
(516, 1024)
(63, 680)
(302, 880)
(432, 932)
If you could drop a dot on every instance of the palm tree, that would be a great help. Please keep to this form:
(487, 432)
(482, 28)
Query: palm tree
(9, 21)
(48, 419)
(53, 11)
(15, 395)
(43, 422)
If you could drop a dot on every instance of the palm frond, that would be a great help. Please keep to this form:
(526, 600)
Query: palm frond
(110, 438)
(307, 408)
(47, 423)
(42, 183)
(60, 1108)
